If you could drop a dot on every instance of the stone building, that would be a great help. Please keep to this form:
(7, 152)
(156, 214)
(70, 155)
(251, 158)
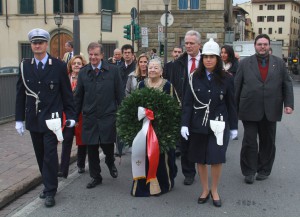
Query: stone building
(18, 17)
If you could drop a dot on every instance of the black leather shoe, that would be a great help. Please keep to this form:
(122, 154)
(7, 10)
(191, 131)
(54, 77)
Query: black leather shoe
(188, 180)
(49, 201)
(113, 171)
(249, 179)
(203, 200)
(60, 174)
(94, 182)
(216, 203)
(81, 170)
(42, 195)
(261, 177)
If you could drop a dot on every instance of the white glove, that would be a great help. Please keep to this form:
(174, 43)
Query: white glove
(20, 127)
(233, 134)
(70, 123)
(185, 132)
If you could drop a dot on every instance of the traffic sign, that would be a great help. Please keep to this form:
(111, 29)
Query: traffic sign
(144, 31)
(170, 19)
(133, 13)
(160, 33)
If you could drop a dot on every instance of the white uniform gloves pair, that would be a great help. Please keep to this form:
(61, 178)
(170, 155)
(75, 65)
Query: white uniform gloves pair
(20, 126)
(185, 133)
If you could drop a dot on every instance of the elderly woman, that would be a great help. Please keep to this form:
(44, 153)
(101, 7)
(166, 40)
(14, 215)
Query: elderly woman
(167, 170)
(138, 75)
(209, 97)
(74, 65)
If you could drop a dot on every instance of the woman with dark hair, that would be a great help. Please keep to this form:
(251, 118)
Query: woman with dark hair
(209, 118)
(230, 62)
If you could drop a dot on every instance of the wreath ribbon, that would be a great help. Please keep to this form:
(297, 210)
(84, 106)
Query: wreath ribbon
(146, 137)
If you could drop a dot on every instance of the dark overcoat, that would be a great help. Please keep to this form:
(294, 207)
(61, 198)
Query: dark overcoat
(98, 98)
(54, 90)
(255, 97)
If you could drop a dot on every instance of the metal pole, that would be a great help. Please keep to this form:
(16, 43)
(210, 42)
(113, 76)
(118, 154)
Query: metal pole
(132, 33)
(58, 35)
(76, 29)
(166, 34)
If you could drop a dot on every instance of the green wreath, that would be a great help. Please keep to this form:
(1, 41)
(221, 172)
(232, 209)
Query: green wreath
(166, 121)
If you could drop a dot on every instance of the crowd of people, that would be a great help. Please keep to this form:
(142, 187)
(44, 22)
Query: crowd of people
(212, 87)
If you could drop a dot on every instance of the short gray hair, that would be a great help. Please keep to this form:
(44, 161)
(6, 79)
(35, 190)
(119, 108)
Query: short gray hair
(94, 45)
(194, 33)
(157, 61)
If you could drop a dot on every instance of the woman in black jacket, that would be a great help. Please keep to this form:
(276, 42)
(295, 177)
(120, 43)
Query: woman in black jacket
(209, 97)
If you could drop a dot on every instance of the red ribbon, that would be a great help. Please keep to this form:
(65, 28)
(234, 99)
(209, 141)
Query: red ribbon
(152, 148)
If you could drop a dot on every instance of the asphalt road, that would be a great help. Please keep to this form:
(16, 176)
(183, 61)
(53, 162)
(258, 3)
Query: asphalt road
(277, 196)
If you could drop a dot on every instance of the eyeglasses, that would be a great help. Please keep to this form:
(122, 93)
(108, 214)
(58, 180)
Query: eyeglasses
(262, 44)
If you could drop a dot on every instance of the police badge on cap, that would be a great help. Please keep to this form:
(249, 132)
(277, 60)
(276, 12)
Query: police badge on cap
(38, 35)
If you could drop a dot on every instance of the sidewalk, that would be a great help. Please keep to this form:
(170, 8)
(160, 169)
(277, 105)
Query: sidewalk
(18, 167)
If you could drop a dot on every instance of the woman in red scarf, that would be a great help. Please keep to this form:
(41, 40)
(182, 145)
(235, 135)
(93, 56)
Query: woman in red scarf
(74, 66)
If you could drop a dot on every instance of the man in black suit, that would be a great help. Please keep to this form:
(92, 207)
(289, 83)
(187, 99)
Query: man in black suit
(98, 94)
(262, 88)
(179, 76)
(43, 89)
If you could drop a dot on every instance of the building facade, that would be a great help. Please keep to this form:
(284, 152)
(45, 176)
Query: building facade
(280, 19)
(18, 17)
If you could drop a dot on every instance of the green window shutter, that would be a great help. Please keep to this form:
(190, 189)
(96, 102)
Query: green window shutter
(26, 7)
(56, 7)
(1, 12)
(80, 7)
(109, 5)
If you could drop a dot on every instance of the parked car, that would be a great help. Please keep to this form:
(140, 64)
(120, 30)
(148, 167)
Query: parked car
(9, 70)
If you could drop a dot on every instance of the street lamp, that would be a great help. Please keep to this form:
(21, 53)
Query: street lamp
(166, 2)
(58, 19)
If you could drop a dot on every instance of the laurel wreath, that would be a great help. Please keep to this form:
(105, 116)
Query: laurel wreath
(166, 121)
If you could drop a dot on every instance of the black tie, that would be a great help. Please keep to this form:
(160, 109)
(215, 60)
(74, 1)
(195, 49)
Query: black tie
(40, 67)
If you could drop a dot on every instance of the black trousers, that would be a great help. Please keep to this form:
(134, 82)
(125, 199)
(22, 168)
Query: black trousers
(81, 155)
(188, 167)
(258, 157)
(45, 148)
(68, 135)
(94, 160)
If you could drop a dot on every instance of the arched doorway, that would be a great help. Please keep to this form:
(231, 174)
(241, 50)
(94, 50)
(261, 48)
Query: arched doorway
(64, 37)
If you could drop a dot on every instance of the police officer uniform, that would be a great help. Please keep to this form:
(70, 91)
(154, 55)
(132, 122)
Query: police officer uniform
(41, 92)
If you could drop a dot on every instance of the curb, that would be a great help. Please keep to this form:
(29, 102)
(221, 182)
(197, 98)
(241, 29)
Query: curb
(22, 187)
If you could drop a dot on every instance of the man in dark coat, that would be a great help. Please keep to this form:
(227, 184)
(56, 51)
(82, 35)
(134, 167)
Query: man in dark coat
(98, 93)
(179, 76)
(176, 52)
(128, 65)
(262, 88)
(117, 59)
(43, 89)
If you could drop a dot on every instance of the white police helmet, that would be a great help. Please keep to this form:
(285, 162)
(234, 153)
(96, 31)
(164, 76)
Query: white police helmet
(36, 35)
(211, 48)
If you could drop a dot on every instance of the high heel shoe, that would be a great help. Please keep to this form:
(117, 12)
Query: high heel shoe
(202, 200)
(216, 203)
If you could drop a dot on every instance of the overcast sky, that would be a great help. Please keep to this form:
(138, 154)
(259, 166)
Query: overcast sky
(239, 1)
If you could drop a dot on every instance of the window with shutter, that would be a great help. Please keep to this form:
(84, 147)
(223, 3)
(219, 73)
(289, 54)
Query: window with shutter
(66, 6)
(26, 6)
(108, 5)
